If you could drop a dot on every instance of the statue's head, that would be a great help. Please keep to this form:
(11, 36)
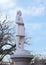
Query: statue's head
(19, 13)
(19, 17)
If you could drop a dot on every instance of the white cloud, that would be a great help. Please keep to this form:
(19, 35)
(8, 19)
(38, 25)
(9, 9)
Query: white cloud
(6, 8)
(34, 11)
(30, 11)
(5, 4)
(12, 12)
(3, 1)
(10, 9)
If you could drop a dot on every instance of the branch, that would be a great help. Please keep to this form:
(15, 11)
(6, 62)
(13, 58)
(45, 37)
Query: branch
(8, 51)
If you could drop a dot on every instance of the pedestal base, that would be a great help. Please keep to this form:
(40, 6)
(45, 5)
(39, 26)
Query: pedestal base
(22, 58)
(22, 61)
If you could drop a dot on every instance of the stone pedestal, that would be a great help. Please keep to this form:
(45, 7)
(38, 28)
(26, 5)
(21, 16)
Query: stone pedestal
(22, 58)
(22, 61)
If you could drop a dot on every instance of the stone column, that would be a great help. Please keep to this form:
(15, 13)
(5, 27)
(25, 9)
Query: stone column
(21, 56)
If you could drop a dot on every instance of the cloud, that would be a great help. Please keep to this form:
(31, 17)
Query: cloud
(6, 4)
(3, 1)
(35, 8)
(9, 7)
(34, 11)
(30, 11)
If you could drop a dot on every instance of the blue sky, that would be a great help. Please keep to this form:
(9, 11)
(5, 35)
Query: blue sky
(34, 16)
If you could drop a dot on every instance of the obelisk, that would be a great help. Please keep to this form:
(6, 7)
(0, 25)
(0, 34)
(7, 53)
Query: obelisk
(21, 56)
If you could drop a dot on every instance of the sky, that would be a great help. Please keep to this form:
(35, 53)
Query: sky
(34, 17)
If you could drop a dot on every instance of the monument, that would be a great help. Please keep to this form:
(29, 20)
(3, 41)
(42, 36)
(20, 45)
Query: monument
(21, 56)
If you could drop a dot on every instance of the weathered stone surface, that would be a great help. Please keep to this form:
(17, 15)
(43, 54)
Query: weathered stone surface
(21, 56)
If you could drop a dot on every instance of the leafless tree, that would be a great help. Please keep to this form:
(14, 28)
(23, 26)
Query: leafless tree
(6, 38)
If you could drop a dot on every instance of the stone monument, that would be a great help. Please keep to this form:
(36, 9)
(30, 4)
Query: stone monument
(21, 56)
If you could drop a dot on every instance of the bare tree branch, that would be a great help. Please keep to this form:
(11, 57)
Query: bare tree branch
(6, 38)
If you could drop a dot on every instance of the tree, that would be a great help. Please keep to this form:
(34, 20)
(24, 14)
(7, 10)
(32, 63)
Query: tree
(6, 38)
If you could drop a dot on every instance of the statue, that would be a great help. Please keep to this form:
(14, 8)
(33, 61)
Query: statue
(20, 31)
(19, 17)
